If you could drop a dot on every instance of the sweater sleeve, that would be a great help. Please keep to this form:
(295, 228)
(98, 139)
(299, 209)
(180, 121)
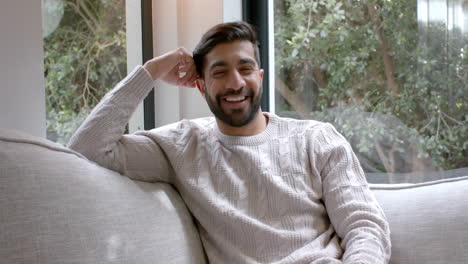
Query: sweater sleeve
(353, 210)
(101, 136)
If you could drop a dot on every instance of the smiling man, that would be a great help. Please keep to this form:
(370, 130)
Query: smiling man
(263, 189)
(235, 80)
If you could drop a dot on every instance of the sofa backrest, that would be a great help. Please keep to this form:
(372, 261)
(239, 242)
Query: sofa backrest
(57, 207)
(428, 221)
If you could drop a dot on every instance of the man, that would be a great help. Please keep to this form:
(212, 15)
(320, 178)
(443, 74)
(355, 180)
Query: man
(263, 189)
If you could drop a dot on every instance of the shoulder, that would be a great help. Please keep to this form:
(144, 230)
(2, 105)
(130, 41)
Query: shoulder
(183, 130)
(309, 128)
(316, 136)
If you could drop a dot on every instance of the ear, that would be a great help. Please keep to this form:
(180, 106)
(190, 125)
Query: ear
(201, 86)
(261, 72)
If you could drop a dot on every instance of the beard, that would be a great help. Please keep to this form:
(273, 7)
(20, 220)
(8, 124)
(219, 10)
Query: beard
(236, 117)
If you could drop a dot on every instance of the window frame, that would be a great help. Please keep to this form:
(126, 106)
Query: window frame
(259, 14)
(147, 54)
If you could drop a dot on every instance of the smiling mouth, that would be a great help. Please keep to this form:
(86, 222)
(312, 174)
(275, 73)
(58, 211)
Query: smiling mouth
(234, 99)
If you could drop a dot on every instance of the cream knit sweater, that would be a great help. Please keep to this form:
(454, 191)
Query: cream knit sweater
(294, 193)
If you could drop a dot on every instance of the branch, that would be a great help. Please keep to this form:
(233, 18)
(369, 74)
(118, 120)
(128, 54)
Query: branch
(85, 19)
(388, 163)
(452, 119)
(320, 77)
(86, 87)
(392, 85)
(105, 45)
(432, 119)
(293, 99)
(88, 12)
(308, 21)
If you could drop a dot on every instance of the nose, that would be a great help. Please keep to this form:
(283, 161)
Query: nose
(235, 80)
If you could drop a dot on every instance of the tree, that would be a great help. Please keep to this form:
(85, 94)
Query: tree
(395, 88)
(84, 57)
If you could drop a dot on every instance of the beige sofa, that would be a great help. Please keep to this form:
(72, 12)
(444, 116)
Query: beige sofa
(57, 207)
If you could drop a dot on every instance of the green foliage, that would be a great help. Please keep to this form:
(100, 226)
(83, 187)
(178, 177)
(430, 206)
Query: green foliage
(373, 60)
(84, 57)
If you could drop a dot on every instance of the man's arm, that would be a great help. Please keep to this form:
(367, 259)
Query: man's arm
(353, 210)
(100, 138)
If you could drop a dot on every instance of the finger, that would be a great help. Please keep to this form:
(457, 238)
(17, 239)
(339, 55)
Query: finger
(181, 72)
(190, 83)
(185, 64)
(186, 83)
(184, 57)
(191, 71)
(193, 78)
(186, 68)
(180, 53)
(190, 76)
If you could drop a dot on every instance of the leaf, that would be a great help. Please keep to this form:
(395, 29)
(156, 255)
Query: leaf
(323, 34)
(294, 53)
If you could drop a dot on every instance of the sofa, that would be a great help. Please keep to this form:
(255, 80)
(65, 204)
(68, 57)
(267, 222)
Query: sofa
(58, 207)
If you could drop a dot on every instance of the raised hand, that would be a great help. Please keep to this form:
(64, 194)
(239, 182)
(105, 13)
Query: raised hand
(175, 67)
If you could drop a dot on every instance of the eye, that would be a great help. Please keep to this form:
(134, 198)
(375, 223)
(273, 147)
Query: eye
(246, 70)
(218, 73)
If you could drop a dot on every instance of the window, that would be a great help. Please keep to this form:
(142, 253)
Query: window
(84, 57)
(391, 76)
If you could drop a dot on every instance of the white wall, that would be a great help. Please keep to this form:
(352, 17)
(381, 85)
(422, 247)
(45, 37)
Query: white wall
(134, 54)
(22, 95)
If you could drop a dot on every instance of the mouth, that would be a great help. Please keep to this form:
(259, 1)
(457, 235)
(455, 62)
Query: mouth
(234, 99)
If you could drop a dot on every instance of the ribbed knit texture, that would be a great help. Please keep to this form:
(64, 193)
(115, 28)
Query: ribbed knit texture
(294, 193)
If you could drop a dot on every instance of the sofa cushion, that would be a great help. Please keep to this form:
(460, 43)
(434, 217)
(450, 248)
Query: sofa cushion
(57, 207)
(428, 221)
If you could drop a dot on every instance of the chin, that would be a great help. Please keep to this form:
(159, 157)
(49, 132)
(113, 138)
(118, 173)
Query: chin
(241, 121)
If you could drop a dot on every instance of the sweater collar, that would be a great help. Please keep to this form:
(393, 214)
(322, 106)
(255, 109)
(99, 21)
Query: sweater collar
(258, 139)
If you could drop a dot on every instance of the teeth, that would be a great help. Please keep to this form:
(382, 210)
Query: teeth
(236, 99)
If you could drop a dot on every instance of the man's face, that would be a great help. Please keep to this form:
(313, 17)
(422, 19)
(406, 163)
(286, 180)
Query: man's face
(232, 83)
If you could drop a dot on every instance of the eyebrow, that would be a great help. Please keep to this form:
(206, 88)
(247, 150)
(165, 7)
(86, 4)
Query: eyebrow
(247, 61)
(223, 63)
(217, 64)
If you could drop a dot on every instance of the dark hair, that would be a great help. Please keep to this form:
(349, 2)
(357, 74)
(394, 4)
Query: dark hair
(224, 33)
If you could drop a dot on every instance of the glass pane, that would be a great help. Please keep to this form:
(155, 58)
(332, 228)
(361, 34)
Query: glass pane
(84, 57)
(391, 76)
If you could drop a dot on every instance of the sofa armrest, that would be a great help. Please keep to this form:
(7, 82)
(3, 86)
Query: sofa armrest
(58, 207)
(428, 221)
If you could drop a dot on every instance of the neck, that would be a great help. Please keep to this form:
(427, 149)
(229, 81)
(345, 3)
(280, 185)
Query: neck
(256, 126)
